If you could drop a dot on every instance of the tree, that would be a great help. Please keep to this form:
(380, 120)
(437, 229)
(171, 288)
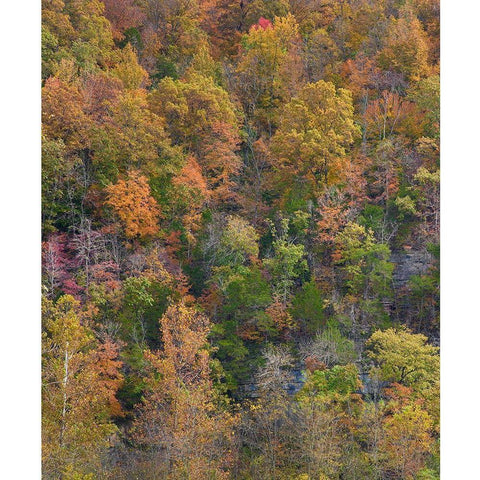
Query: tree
(406, 47)
(423, 297)
(428, 202)
(144, 299)
(132, 137)
(224, 22)
(241, 319)
(53, 263)
(52, 52)
(253, 183)
(335, 384)
(367, 271)
(428, 12)
(340, 203)
(363, 274)
(128, 70)
(266, 425)
(204, 64)
(76, 30)
(315, 130)
(100, 90)
(62, 186)
(123, 14)
(386, 170)
(93, 40)
(426, 95)
(57, 21)
(320, 55)
(180, 421)
(63, 117)
(307, 307)
(173, 25)
(407, 441)
(327, 405)
(189, 196)
(262, 78)
(287, 262)
(201, 117)
(133, 204)
(79, 381)
(281, 318)
(389, 114)
(329, 347)
(404, 357)
(238, 243)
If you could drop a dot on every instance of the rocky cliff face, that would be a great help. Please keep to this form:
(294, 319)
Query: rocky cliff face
(421, 317)
(408, 264)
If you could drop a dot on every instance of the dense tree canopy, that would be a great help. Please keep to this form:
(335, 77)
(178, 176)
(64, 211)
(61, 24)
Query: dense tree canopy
(240, 239)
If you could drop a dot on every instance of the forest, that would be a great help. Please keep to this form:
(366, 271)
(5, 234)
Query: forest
(240, 239)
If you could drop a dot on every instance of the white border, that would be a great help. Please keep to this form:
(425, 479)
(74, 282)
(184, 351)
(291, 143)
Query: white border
(20, 240)
(460, 266)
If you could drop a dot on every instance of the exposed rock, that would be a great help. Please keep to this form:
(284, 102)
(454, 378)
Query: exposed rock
(408, 264)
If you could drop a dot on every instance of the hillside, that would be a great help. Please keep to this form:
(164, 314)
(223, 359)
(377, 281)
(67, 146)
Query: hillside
(240, 239)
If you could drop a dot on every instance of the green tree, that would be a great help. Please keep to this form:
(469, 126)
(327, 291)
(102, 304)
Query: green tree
(287, 263)
(238, 243)
(241, 320)
(307, 307)
(364, 262)
(426, 94)
(404, 357)
(366, 274)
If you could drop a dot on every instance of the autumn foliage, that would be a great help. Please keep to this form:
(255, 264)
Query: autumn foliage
(240, 239)
(135, 207)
